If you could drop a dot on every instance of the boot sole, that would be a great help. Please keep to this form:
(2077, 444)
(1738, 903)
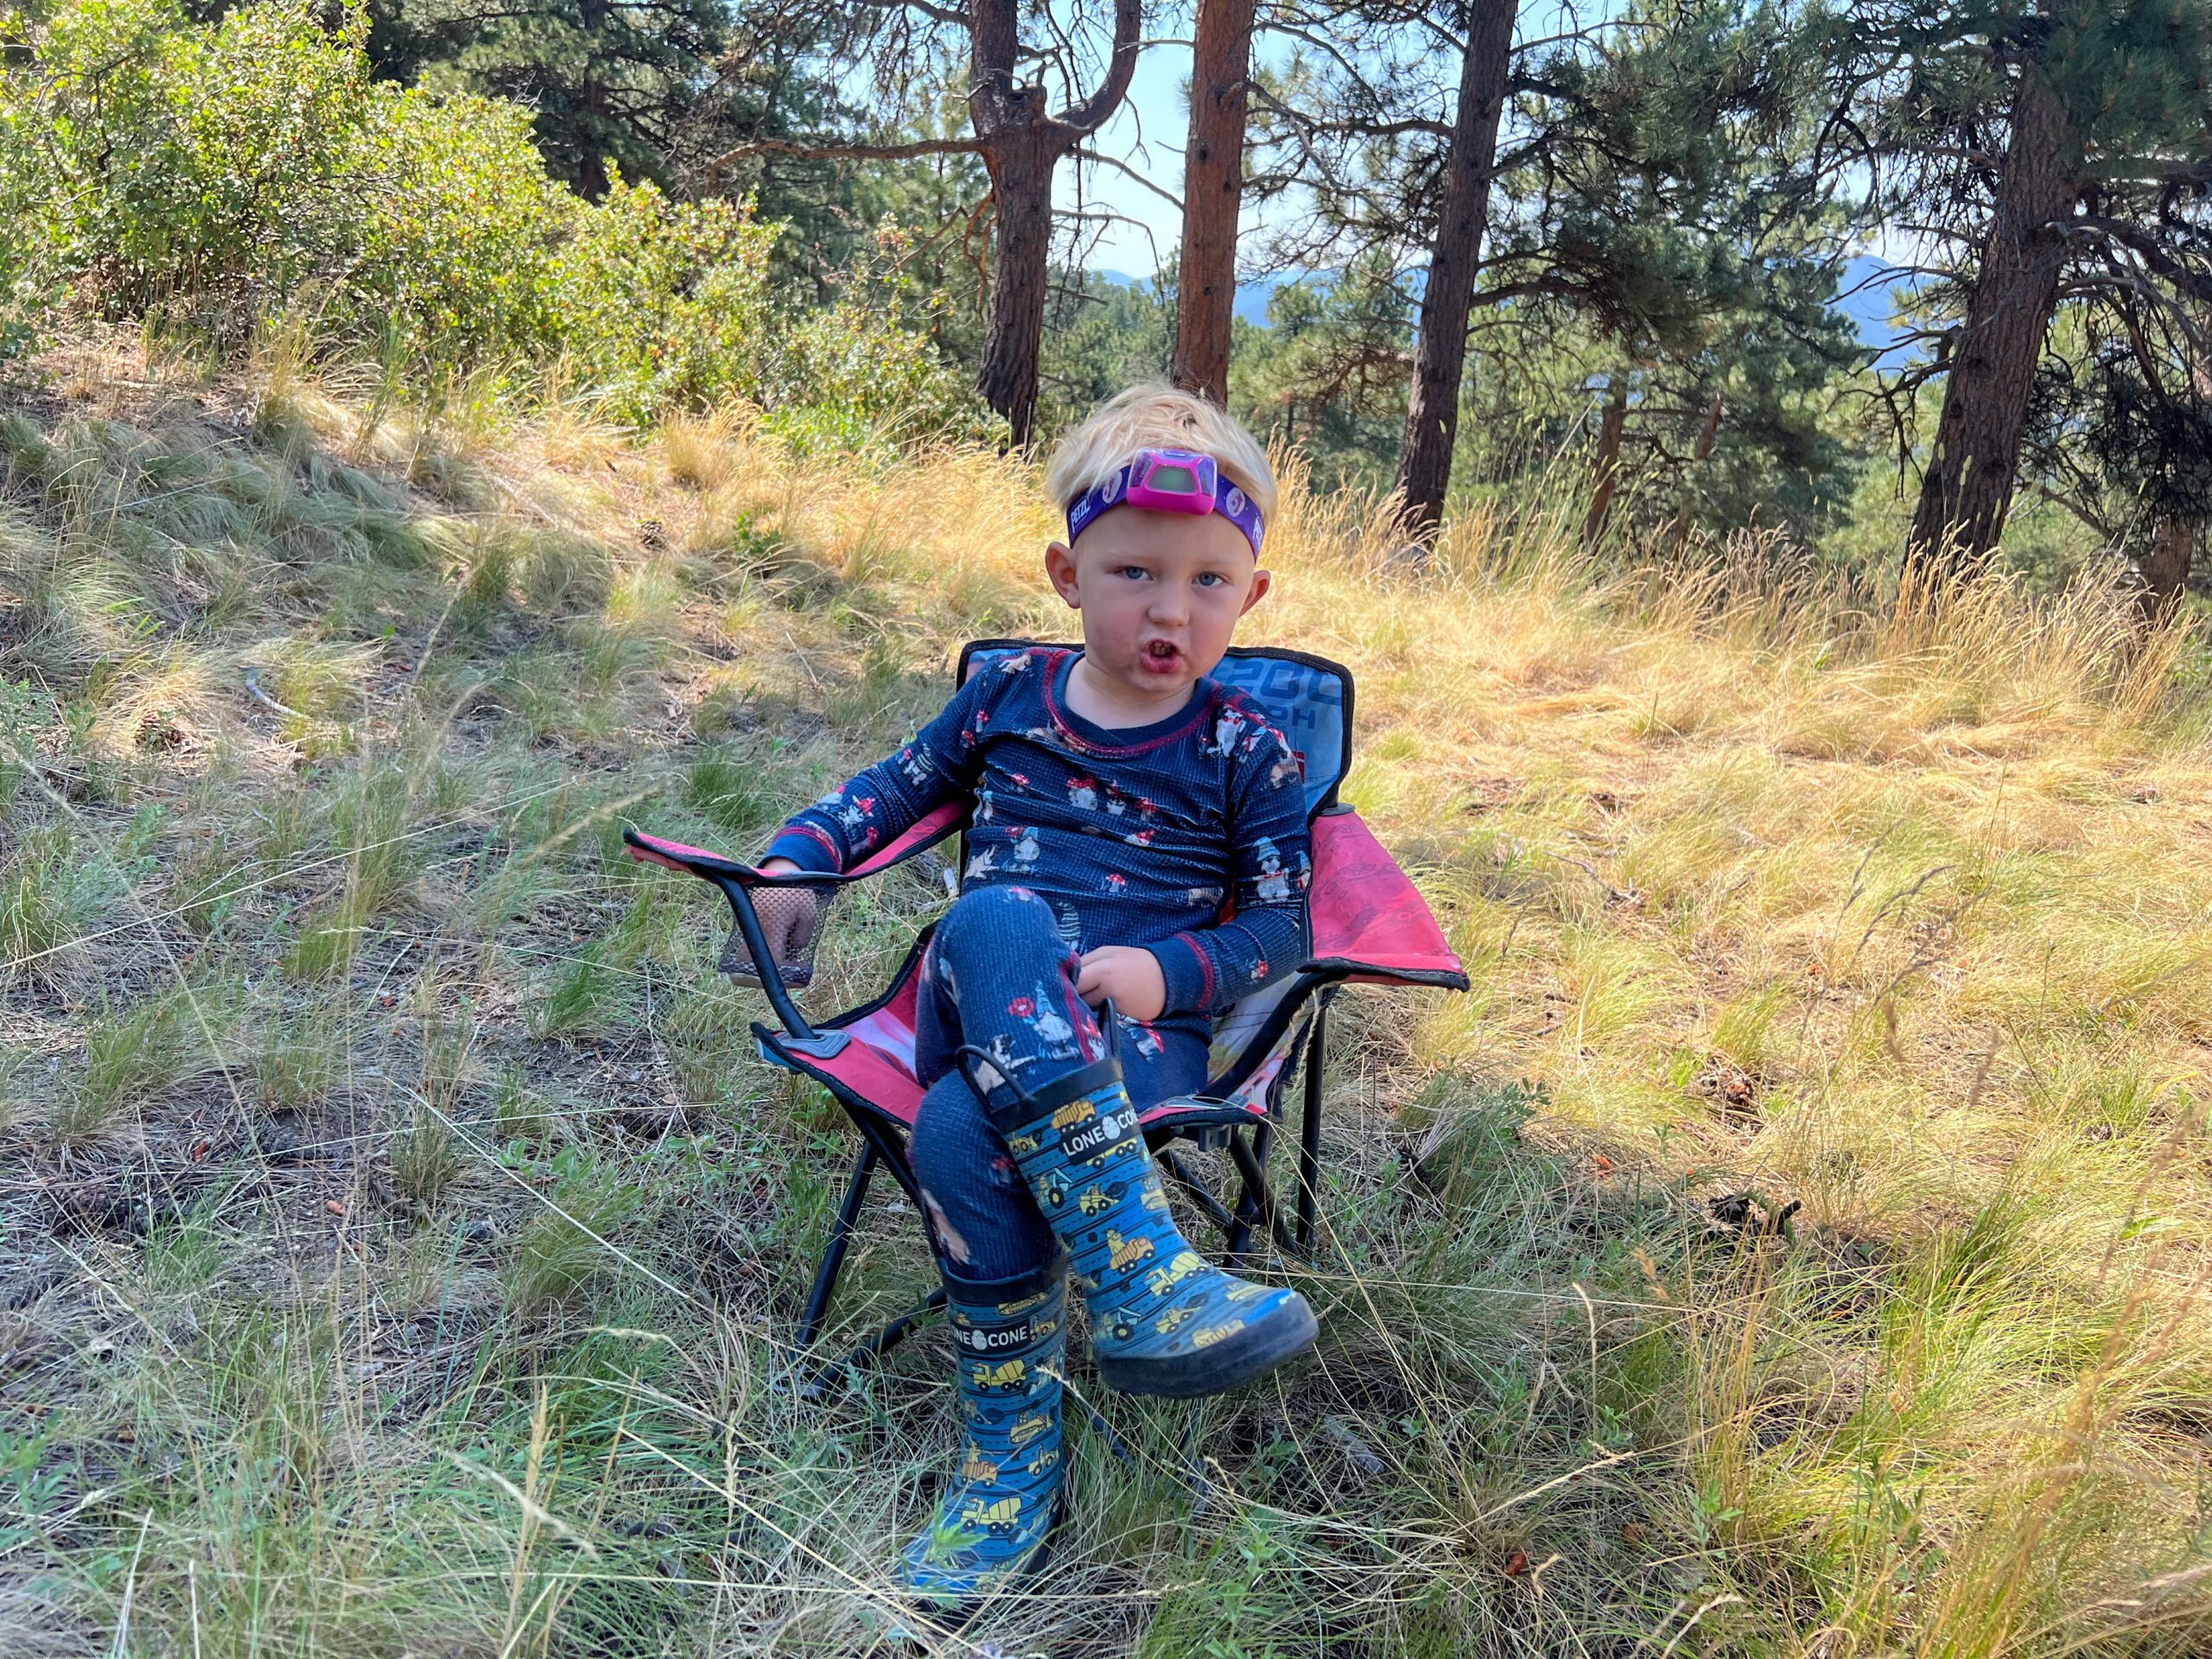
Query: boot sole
(1284, 1335)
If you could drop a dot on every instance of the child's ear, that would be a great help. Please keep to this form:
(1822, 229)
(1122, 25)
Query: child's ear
(1059, 565)
(1261, 580)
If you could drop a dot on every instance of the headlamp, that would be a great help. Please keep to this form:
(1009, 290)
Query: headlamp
(1170, 481)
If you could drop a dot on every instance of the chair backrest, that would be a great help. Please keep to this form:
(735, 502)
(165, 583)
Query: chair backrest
(1308, 698)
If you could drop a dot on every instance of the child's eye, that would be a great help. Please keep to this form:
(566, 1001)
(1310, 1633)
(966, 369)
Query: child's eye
(1211, 579)
(1134, 573)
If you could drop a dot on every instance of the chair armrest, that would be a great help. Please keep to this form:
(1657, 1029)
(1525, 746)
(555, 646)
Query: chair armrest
(713, 866)
(748, 887)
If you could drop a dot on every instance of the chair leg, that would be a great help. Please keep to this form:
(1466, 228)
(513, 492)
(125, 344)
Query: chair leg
(833, 1255)
(1257, 1205)
(900, 1329)
(1309, 1127)
(1193, 1188)
(1253, 1202)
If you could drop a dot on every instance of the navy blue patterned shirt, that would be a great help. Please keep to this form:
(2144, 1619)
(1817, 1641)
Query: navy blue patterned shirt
(1135, 836)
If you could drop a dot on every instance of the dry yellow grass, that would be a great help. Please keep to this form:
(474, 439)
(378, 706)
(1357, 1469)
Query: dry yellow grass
(1901, 915)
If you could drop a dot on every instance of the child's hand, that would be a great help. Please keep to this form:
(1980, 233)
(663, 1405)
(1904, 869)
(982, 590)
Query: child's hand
(788, 928)
(1130, 975)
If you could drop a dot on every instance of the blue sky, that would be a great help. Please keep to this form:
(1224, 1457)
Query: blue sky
(1148, 132)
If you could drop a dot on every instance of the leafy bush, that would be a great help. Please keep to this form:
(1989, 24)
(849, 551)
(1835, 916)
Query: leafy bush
(864, 368)
(457, 221)
(21, 302)
(664, 303)
(224, 173)
(182, 161)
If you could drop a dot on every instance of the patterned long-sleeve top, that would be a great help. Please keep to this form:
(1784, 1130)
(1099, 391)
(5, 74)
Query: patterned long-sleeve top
(1187, 836)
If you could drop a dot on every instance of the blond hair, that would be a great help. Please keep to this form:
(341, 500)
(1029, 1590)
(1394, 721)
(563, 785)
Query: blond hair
(1158, 416)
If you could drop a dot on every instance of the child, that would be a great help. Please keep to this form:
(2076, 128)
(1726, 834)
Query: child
(1121, 797)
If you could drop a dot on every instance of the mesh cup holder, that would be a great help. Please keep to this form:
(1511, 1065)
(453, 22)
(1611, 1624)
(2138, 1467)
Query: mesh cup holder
(802, 910)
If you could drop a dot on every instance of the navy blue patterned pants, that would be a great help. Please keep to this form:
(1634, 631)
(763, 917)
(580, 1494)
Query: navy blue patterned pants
(999, 976)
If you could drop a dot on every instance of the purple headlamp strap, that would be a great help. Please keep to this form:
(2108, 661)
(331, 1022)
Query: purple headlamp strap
(1170, 481)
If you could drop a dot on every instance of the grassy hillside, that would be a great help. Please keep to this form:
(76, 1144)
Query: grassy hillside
(1795, 1245)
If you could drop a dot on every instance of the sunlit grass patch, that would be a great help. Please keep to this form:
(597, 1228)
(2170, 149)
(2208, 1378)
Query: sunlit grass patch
(131, 1055)
(561, 1253)
(298, 1060)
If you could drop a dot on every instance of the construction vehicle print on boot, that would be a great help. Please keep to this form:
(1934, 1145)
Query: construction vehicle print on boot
(1027, 1427)
(1213, 1333)
(978, 1468)
(1180, 1266)
(1000, 1519)
(1045, 1462)
(1095, 1198)
(1124, 1252)
(1007, 1375)
(1075, 1112)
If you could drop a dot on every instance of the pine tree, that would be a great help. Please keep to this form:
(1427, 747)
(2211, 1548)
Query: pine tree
(1015, 133)
(1652, 211)
(1213, 177)
(613, 83)
(2059, 158)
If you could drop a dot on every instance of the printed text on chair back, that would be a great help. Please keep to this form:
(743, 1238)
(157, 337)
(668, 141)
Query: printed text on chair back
(1308, 698)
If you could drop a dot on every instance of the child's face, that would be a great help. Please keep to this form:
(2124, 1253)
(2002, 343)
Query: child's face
(1160, 594)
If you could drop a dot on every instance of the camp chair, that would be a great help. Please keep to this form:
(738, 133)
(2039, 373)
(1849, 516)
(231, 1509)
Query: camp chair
(1369, 926)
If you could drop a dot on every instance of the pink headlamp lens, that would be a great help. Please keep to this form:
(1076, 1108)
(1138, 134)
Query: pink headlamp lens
(1172, 480)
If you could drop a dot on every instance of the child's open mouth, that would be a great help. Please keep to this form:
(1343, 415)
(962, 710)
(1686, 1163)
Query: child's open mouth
(1160, 657)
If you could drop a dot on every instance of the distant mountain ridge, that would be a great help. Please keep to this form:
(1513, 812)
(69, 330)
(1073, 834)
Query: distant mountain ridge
(1251, 297)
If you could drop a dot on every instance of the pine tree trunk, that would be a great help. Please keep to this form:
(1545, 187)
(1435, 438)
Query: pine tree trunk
(1213, 186)
(1021, 144)
(1967, 489)
(1605, 464)
(1707, 435)
(1021, 165)
(1440, 353)
(2166, 568)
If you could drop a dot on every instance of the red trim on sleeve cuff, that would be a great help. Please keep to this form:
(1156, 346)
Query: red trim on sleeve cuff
(1205, 970)
(809, 833)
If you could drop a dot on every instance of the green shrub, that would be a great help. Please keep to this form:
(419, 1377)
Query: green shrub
(664, 304)
(238, 172)
(23, 303)
(459, 222)
(183, 161)
(864, 369)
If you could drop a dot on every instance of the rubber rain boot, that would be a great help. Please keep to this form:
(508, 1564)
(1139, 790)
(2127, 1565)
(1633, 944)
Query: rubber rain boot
(1163, 1320)
(993, 1525)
